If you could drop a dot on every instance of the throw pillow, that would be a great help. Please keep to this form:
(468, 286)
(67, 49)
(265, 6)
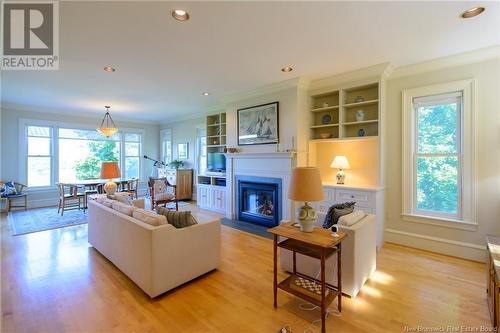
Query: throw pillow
(330, 219)
(9, 189)
(121, 197)
(123, 208)
(159, 186)
(149, 217)
(177, 219)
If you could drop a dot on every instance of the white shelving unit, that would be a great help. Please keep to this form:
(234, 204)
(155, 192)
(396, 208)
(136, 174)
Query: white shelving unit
(334, 113)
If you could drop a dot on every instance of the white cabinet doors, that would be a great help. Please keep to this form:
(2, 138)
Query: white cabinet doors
(204, 196)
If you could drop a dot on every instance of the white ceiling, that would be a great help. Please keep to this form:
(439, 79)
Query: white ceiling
(164, 65)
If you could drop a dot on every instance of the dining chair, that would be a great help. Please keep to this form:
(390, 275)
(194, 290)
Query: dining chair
(69, 198)
(162, 192)
(131, 187)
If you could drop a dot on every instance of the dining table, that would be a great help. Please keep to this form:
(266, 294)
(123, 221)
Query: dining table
(97, 183)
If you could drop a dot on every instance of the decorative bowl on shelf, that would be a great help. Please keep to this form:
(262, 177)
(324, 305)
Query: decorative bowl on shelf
(325, 135)
(326, 119)
(359, 99)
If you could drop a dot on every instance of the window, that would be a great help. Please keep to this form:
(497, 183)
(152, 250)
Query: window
(39, 155)
(81, 153)
(438, 175)
(202, 150)
(132, 155)
(56, 152)
(166, 146)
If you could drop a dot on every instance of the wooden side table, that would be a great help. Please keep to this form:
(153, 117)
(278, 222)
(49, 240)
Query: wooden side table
(319, 244)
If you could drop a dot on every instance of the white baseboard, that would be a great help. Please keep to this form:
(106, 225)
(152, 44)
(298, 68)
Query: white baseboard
(439, 245)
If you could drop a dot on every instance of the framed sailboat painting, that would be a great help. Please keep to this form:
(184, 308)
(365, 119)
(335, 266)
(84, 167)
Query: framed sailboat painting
(258, 125)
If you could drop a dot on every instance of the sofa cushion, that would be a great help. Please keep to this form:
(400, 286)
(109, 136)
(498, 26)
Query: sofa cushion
(352, 218)
(123, 208)
(177, 219)
(332, 217)
(149, 217)
(107, 203)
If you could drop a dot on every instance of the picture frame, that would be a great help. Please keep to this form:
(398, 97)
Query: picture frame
(258, 125)
(183, 151)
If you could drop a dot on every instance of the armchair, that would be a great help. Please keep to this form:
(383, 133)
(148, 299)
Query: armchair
(16, 193)
(160, 193)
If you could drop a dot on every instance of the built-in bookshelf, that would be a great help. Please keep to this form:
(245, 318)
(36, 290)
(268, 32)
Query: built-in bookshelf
(350, 113)
(216, 130)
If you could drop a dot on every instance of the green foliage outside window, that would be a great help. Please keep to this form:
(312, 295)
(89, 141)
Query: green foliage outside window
(437, 176)
(100, 151)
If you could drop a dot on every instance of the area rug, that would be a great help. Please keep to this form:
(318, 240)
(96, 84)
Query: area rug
(247, 227)
(39, 219)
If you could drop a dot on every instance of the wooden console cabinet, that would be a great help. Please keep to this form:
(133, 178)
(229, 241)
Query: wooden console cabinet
(183, 178)
(492, 276)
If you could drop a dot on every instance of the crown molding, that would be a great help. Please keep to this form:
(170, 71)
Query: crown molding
(460, 59)
(298, 82)
(372, 73)
(94, 116)
(169, 121)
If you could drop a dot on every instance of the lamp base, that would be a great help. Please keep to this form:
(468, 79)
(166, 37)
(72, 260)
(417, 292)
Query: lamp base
(340, 177)
(110, 187)
(306, 216)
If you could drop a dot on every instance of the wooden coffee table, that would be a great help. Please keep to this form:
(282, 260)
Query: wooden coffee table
(319, 244)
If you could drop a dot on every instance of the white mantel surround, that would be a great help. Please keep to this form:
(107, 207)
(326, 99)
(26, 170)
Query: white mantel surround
(273, 165)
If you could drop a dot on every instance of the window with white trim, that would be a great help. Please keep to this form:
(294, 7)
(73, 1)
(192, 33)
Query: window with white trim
(132, 157)
(39, 165)
(60, 152)
(438, 167)
(166, 146)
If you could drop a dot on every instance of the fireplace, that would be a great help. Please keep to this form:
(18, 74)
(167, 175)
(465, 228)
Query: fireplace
(259, 200)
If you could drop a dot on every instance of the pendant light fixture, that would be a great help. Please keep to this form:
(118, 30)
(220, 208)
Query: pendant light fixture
(108, 127)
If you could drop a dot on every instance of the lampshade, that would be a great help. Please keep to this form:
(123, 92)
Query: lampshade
(340, 162)
(110, 170)
(305, 185)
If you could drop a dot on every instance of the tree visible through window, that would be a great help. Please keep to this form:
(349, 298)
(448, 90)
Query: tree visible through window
(438, 154)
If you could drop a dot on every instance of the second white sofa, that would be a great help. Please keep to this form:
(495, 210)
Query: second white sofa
(359, 257)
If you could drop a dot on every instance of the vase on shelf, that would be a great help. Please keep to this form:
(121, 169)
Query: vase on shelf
(360, 115)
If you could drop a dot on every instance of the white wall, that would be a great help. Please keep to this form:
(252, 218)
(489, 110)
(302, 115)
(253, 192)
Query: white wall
(11, 160)
(182, 132)
(461, 243)
(292, 107)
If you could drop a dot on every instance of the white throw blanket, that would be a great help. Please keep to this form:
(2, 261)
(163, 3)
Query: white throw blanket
(350, 219)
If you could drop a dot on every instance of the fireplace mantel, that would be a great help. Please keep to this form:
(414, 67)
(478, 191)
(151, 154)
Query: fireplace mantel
(259, 164)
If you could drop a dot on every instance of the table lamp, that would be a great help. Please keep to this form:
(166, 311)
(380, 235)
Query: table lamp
(110, 170)
(306, 186)
(340, 162)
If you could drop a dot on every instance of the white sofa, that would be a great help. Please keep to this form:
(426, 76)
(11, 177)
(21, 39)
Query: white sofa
(359, 256)
(156, 258)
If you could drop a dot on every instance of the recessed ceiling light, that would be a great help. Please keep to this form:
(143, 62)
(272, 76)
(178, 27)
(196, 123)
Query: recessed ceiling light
(109, 69)
(205, 93)
(287, 69)
(180, 15)
(475, 11)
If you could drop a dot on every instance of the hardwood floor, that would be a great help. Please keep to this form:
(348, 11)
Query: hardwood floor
(53, 281)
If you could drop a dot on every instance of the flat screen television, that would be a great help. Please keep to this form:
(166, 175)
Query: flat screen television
(216, 162)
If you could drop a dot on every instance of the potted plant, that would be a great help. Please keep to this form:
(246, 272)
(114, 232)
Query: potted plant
(176, 164)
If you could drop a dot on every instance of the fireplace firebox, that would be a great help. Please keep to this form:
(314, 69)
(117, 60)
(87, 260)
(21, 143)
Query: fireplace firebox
(259, 200)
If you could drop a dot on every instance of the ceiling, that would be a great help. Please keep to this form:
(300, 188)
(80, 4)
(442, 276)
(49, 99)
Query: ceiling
(163, 65)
